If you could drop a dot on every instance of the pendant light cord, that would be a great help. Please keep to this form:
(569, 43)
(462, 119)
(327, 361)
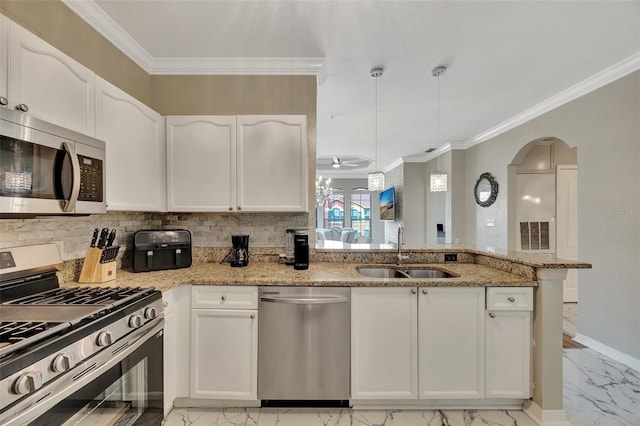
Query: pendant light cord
(438, 108)
(377, 123)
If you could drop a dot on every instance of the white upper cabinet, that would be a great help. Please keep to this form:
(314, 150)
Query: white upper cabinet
(4, 60)
(201, 163)
(53, 87)
(135, 144)
(272, 163)
(451, 342)
(240, 164)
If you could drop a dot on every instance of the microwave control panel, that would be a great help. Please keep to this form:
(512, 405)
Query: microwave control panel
(91, 176)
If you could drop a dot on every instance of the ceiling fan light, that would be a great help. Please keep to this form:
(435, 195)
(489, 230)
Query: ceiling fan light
(438, 182)
(376, 181)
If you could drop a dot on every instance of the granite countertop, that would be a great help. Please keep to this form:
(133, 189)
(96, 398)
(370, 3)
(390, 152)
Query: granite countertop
(318, 274)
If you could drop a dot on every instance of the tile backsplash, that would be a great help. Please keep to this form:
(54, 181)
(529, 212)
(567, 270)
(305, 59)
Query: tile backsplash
(73, 234)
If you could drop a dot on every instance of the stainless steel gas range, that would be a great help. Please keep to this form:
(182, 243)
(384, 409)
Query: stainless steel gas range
(76, 355)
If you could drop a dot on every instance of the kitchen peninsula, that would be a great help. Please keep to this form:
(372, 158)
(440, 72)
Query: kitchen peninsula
(516, 291)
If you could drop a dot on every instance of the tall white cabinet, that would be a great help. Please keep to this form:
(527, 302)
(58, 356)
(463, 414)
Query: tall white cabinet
(508, 336)
(224, 343)
(237, 164)
(384, 351)
(451, 342)
(51, 85)
(135, 145)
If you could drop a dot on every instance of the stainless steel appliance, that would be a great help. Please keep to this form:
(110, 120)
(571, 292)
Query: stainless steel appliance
(76, 355)
(304, 346)
(301, 249)
(48, 170)
(155, 250)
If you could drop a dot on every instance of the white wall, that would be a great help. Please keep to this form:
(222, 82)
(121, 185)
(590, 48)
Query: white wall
(414, 200)
(536, 202)
(605, 127)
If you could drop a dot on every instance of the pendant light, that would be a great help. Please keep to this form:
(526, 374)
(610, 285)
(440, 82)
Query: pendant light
(438, 179)
(376, 179)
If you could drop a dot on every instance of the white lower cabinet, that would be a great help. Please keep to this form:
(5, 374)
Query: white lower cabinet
(451, 342)
(224, 347)
(384, 363)
(508, 351)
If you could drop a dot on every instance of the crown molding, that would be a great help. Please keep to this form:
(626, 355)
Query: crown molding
(89, 11)
(596, 81)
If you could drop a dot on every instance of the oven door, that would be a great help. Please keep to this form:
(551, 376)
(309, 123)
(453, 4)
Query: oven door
(109, 389)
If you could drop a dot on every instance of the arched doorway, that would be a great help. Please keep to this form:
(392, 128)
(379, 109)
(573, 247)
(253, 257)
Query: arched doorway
(543, 207)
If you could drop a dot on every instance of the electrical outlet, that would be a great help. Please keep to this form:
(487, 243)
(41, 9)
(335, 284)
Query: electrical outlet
(451, 257)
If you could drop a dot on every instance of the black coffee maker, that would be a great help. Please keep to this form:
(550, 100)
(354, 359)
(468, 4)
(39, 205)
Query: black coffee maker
(239, 253)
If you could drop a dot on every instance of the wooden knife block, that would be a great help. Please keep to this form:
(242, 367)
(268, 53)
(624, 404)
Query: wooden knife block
(95, 272)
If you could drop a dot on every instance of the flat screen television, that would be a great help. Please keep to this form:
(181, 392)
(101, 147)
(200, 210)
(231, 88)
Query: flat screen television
(388, 204)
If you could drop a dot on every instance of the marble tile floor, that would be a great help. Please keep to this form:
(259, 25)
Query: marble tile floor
(597, 392)
(570, 318)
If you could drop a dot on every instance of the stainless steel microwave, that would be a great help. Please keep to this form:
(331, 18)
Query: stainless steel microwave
(48, 170)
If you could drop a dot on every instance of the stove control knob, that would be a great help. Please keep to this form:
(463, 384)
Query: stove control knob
(27, 383)
(135, 321)
(104, 339)
(61, 363)
(150, 313)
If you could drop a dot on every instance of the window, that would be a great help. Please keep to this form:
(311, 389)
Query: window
(333, 210)
(361, 213)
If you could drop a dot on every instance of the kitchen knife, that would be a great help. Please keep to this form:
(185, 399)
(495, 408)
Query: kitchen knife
(94, 238)
(103, 238)
(111, 238)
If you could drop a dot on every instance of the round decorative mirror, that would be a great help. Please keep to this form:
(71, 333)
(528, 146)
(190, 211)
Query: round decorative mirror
(486, 190)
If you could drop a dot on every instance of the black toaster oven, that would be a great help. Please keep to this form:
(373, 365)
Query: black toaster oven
(156, 250)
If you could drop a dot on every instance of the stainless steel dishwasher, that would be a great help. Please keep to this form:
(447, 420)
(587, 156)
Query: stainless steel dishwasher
(304, 345)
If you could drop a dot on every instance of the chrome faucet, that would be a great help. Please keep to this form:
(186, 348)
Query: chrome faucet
(401, 257)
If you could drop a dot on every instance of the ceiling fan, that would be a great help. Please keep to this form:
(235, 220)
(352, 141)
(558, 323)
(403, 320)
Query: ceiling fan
(335, 162)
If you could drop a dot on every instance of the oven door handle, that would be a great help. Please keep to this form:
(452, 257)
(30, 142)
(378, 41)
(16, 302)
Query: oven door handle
(49, 396)
(70, 204)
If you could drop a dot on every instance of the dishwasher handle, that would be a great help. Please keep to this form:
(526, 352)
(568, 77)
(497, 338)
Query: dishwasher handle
(305, 300)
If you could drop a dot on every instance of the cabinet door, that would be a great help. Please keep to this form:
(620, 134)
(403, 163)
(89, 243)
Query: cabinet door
(272, 163)
(384, 343)
(134, 136)
(201, 163)
(451, 343)
(55, 87)
(508, 371)
(4, 59)
(224, 354)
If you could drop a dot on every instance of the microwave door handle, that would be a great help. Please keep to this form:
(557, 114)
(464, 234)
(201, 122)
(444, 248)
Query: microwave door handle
(70, 204)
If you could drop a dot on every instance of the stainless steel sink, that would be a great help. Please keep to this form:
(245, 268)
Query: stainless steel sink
(382, 272)
(427, 273)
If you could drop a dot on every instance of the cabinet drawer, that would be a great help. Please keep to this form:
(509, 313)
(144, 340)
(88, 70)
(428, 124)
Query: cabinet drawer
(224, 297)
(510, 298)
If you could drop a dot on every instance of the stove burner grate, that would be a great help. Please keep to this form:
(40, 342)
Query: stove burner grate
(16, 334)
(82, 296)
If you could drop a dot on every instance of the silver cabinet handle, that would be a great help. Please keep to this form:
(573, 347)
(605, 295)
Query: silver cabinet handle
(223, 297)
(492, 315)
(4, 101)
(414, 291)
(305, 300)
(70, 204)
(511, 299)
(230, 208)
(253, 316)
(425, 291)
(22, 107)
(165, 304)
(239, 208)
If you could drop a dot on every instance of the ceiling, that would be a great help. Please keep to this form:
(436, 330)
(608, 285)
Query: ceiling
(507, 61)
